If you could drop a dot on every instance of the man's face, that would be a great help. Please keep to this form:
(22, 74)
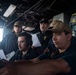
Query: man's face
(22, 45)
(60, 40)
(43, 26)
(17, 29)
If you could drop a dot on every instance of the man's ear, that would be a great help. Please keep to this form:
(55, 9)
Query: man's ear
(69, 36)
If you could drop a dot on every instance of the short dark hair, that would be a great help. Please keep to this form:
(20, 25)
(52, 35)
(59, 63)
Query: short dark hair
(66, 32)
(27, 36)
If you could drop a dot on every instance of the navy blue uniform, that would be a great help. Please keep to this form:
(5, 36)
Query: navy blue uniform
(29, 55)
(69, 56)
(44, 39)
(9, 43)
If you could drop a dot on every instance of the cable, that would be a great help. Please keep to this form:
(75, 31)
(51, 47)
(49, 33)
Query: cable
(52, 3)
(25, 12)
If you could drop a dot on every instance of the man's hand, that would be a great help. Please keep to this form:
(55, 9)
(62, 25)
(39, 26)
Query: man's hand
(12, 68)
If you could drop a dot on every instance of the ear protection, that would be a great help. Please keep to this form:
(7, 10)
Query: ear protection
(29, 42)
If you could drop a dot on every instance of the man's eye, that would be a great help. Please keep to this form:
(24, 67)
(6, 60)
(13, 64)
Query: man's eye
(58, 33)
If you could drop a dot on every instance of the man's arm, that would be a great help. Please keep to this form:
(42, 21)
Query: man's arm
(45, 67)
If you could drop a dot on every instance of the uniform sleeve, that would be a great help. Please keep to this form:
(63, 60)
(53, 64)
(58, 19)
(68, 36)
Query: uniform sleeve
(71, 60)
(45, 55)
